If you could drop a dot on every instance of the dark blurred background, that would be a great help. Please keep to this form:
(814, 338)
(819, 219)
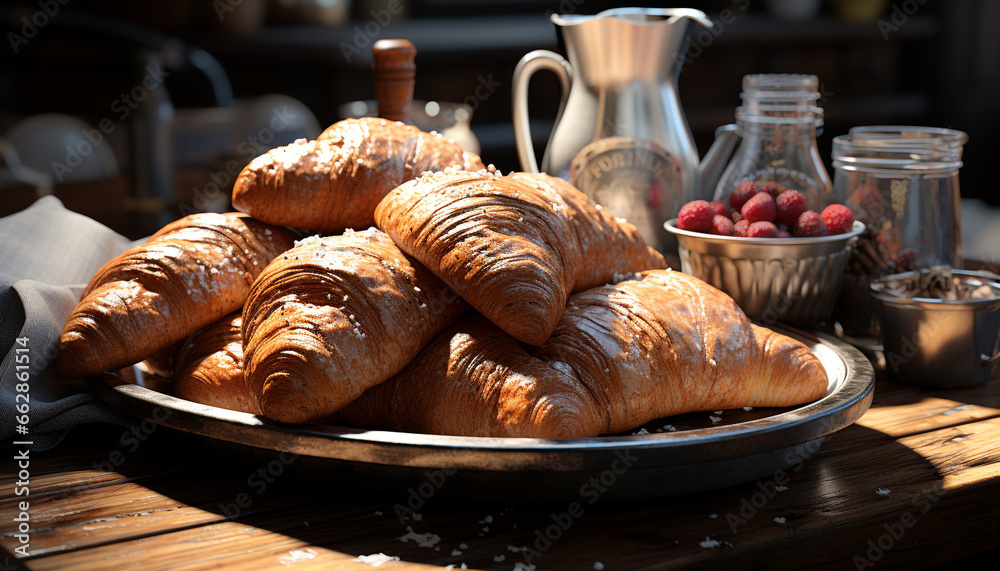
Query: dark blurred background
(173, 98)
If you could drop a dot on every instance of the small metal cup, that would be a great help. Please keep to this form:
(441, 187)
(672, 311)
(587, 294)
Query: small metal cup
(940, 344)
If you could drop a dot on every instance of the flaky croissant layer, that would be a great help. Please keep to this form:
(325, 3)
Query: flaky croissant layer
(622, 355)
(334, 316)
(336, 181)
(210, 367)
(515, 247)
(188, 275)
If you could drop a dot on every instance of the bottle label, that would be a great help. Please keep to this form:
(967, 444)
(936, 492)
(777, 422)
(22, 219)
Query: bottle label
(635, 179)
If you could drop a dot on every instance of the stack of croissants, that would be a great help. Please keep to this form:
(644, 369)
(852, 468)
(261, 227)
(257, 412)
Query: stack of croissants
(464, 302)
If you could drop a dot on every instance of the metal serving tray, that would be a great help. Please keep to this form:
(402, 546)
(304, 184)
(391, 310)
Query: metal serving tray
(705, 451)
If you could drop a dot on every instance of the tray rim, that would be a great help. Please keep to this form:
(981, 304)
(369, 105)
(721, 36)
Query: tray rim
(843, 404)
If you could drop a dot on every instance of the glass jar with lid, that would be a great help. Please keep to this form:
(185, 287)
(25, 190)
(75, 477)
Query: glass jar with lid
(777, 124)
(902, 182)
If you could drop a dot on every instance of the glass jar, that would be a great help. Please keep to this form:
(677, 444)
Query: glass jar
(902, 182)
(777, 124)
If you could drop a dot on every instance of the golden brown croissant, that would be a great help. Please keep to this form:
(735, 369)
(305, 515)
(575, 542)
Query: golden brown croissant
(334, 316)
(188, 275)
(514, 247)
(622, 355)
(210, 367)
(335, 182)
(163, 363)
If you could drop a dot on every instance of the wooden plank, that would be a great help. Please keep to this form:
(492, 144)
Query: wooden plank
(59, 482)
(908, 441)
(226, 544)
(831, 510)
(907, 413)
(92, 456)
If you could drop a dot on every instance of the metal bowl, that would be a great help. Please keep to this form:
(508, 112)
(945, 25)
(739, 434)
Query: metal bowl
(792, 280)
(940, 344)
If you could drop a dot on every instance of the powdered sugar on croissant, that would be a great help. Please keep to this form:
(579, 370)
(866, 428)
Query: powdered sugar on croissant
(336, 181)
(334, 316)
(188, 275)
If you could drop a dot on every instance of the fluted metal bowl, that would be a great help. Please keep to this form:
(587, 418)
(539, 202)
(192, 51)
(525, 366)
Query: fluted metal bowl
(792, 280)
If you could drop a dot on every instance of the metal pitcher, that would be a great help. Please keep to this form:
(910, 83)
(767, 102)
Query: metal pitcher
(620, 135)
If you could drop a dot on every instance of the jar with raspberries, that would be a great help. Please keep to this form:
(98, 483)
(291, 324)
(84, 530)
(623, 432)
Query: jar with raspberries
(902, 183)
(777, 124)
(779, 260)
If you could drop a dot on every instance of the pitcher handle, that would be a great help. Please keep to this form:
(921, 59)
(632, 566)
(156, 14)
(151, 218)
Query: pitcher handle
(529, 64)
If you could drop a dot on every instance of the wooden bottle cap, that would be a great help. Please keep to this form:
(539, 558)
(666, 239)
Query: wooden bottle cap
(394, 73)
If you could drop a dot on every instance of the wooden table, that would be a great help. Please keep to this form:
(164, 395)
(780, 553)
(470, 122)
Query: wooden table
(915, 482)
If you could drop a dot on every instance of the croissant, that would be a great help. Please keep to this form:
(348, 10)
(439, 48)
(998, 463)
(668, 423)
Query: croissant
(622, 355)
(210, 367)
(334, 316)
(163, 363)
(336, 181)
(188, 275)
(515, 247)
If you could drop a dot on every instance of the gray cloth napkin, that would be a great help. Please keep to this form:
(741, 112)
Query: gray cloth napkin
(47, 256)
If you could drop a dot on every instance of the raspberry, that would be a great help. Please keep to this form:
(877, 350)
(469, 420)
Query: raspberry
(809, 225)
(784, 234)
(736, 216)
(760, 208)
(722, 226)
(838, 218)
(789, 205)
(907, 260)
(773, 188)
(744, 192)
(762, 229)
(740, 228)
(719, 208)
(695, 216)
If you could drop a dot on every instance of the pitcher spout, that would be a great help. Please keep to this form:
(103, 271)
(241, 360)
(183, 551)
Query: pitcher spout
(627, 44)
(665, 16)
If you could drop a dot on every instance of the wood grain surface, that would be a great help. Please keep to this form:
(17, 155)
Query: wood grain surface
(914, 483)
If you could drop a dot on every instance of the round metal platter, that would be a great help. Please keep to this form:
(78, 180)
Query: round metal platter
(682, 454)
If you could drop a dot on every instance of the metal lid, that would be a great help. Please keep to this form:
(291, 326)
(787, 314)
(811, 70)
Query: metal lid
(899, 148)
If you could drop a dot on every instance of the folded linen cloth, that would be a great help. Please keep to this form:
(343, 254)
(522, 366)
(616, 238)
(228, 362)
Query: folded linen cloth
(47, 256)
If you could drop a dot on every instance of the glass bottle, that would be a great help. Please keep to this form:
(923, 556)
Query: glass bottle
(777, 124)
